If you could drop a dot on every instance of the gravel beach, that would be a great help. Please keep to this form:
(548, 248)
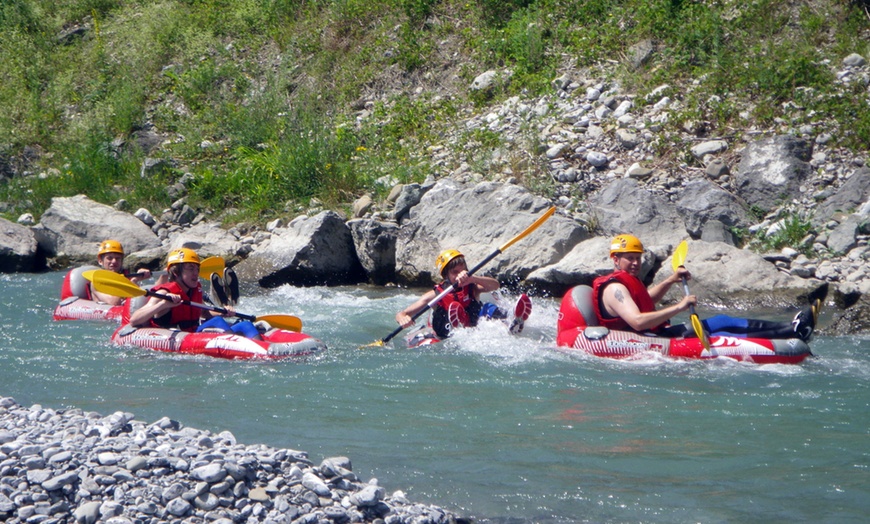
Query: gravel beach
(68, 465)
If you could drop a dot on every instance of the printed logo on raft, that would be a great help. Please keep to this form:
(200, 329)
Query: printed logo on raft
(632, 345)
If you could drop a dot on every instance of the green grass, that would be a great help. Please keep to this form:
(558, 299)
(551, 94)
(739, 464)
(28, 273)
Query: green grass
(271, 85)
(792, 229)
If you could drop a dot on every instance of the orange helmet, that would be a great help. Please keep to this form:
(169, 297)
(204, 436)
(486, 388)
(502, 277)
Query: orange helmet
(444, 258)
(625, 244)
(181, 256)
(110, 246)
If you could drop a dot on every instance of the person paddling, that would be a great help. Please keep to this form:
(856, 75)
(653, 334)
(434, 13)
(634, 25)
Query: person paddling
(461, 307)
(111, 257)
(622, 302)
(182, 266)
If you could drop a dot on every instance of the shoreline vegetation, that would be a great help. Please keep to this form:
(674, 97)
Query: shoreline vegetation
(277, 108)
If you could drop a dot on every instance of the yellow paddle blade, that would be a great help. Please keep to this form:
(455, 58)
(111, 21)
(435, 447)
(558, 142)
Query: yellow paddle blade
(288, 322)
(375, 344)
(89, 275)
(116, 285)
(211, 265)
(699, 332)
(547, 214)
(679, 258)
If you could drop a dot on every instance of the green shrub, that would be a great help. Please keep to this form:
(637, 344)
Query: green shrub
(791, 231)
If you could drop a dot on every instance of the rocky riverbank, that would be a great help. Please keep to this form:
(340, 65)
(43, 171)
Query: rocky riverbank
(64, 466)
(598, 148)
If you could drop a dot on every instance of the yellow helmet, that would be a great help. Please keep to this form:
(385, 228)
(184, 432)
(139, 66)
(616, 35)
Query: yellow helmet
(625, 244)
(444, 258)
(110, 246)
(181, 256)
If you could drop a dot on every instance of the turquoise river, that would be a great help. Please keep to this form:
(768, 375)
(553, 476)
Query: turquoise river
(499, 428)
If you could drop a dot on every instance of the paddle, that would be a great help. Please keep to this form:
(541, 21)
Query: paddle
(473, 270)
(117, 285)
(206, 268)
(678, 260)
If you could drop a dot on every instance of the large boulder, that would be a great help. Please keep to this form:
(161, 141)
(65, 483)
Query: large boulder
(18, 248)
(773, 169)
(72, 227)
(375, 246)
(726, 277)
(707, 209)
(310, 251)
(852, 315)
(624, 206)
(589, 259)
(849, 197)
(207, 239)
(477, 221)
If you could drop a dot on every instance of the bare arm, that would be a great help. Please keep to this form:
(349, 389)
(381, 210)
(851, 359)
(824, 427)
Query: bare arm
(104, 298)
(139, 276)
(481, 284)
(404, 317)
(658, 291)
(618, 302)
(155, 307)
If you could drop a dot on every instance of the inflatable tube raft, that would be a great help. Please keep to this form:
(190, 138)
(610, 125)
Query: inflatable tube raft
(75, 300)
(276, 343)
(578, 331)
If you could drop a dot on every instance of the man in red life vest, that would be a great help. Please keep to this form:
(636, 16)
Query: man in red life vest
(111, 257)
(622, 302)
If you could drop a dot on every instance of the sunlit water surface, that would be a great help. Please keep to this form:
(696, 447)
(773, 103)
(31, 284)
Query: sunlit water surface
(494, 427)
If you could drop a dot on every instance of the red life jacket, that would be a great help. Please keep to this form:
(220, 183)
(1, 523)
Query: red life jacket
(465, 298)
(182, 316)
(638, 293)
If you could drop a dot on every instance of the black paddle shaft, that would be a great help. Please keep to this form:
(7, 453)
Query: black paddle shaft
(202, 306)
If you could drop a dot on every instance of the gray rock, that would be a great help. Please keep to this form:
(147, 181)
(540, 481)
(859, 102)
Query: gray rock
(408, 197)
(87, 513)
(310, 251)
(362, 205)
(849, 197)
(375, 246)
(854, 60)
(845, 236)
(178, 507)
(702, 202)
(772, 168)
(476, 221)
(18, 248)
(74, 226)
(484, 81)
(596, 159)
(210, 473)
(623, 206)
(60, 481)
(314, 483)
(727, 277)
(711, 147)
(640, 53)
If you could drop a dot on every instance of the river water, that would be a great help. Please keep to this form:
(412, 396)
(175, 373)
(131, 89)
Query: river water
(495, 427)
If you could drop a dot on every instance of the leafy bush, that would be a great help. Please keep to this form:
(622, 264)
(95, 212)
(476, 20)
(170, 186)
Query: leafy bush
(788, 231)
